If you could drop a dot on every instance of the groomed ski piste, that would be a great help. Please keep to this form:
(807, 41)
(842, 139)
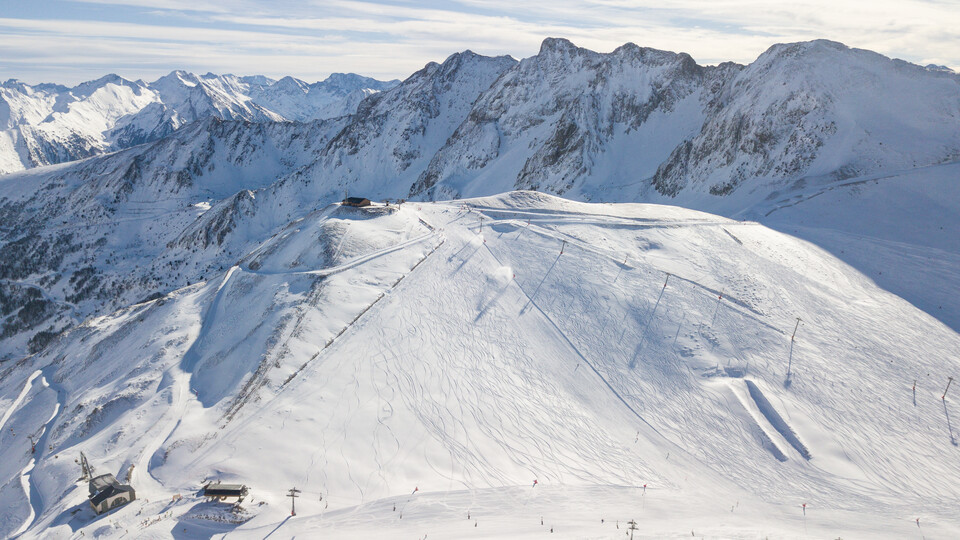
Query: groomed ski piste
(501, 367)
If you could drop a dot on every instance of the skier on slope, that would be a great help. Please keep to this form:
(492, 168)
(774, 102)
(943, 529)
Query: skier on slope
(534, 482)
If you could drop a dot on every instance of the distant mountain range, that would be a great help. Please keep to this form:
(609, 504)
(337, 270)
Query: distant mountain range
(48, 123)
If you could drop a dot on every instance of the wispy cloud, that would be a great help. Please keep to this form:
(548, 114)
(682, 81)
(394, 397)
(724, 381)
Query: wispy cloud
(391, 38)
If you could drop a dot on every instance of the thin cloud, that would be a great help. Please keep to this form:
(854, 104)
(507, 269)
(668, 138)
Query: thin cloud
(171, 5)
(391, 40)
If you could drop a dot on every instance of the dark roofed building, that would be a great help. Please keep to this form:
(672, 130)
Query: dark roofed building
(222, 492)
(106, 493)
(359, 202)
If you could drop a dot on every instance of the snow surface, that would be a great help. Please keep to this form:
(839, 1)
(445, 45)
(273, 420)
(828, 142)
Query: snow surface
(414, 369)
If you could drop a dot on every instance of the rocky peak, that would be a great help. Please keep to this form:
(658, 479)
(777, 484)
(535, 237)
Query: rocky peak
(290, 85)
(552, 45)
(85, 89)
(939, 68)
(177, 78)
(14, 84)
(257, 80)
(344, 83)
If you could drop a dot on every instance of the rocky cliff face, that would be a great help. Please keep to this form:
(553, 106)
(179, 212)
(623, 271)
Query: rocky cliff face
(817, 109)
(570, 117)
(608, 126)
(395, 134)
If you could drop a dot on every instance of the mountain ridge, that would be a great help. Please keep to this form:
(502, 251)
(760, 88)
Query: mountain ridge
(47, 124)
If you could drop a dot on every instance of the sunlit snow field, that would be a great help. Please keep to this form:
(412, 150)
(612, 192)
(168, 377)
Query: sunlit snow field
(414, 370)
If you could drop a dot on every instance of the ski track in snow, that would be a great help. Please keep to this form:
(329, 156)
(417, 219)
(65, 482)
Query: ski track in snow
(582, 357)
(179, 390)
(17, 402)
(33, 495)
(818, 190)
(715, 311)
(574, 241)
(350, 264)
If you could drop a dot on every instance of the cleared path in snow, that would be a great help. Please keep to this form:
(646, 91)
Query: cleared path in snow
(33, 494)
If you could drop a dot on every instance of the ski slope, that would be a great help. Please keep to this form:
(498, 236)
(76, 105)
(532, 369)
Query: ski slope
(898, 227)
(413, 370)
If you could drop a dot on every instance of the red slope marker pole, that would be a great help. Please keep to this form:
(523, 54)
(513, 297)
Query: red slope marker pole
(949, 380)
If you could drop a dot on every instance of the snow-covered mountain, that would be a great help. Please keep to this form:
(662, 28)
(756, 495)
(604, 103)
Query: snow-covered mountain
(109, 231)
(395, 134)
(414, 369)
(48, 124)
(818, 110)
(559, 118)
(180, 197)
(338, 95)
(569, 121)
(197, 307)
(610, 126)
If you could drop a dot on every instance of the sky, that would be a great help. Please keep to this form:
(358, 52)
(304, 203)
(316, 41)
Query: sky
(70, 41)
